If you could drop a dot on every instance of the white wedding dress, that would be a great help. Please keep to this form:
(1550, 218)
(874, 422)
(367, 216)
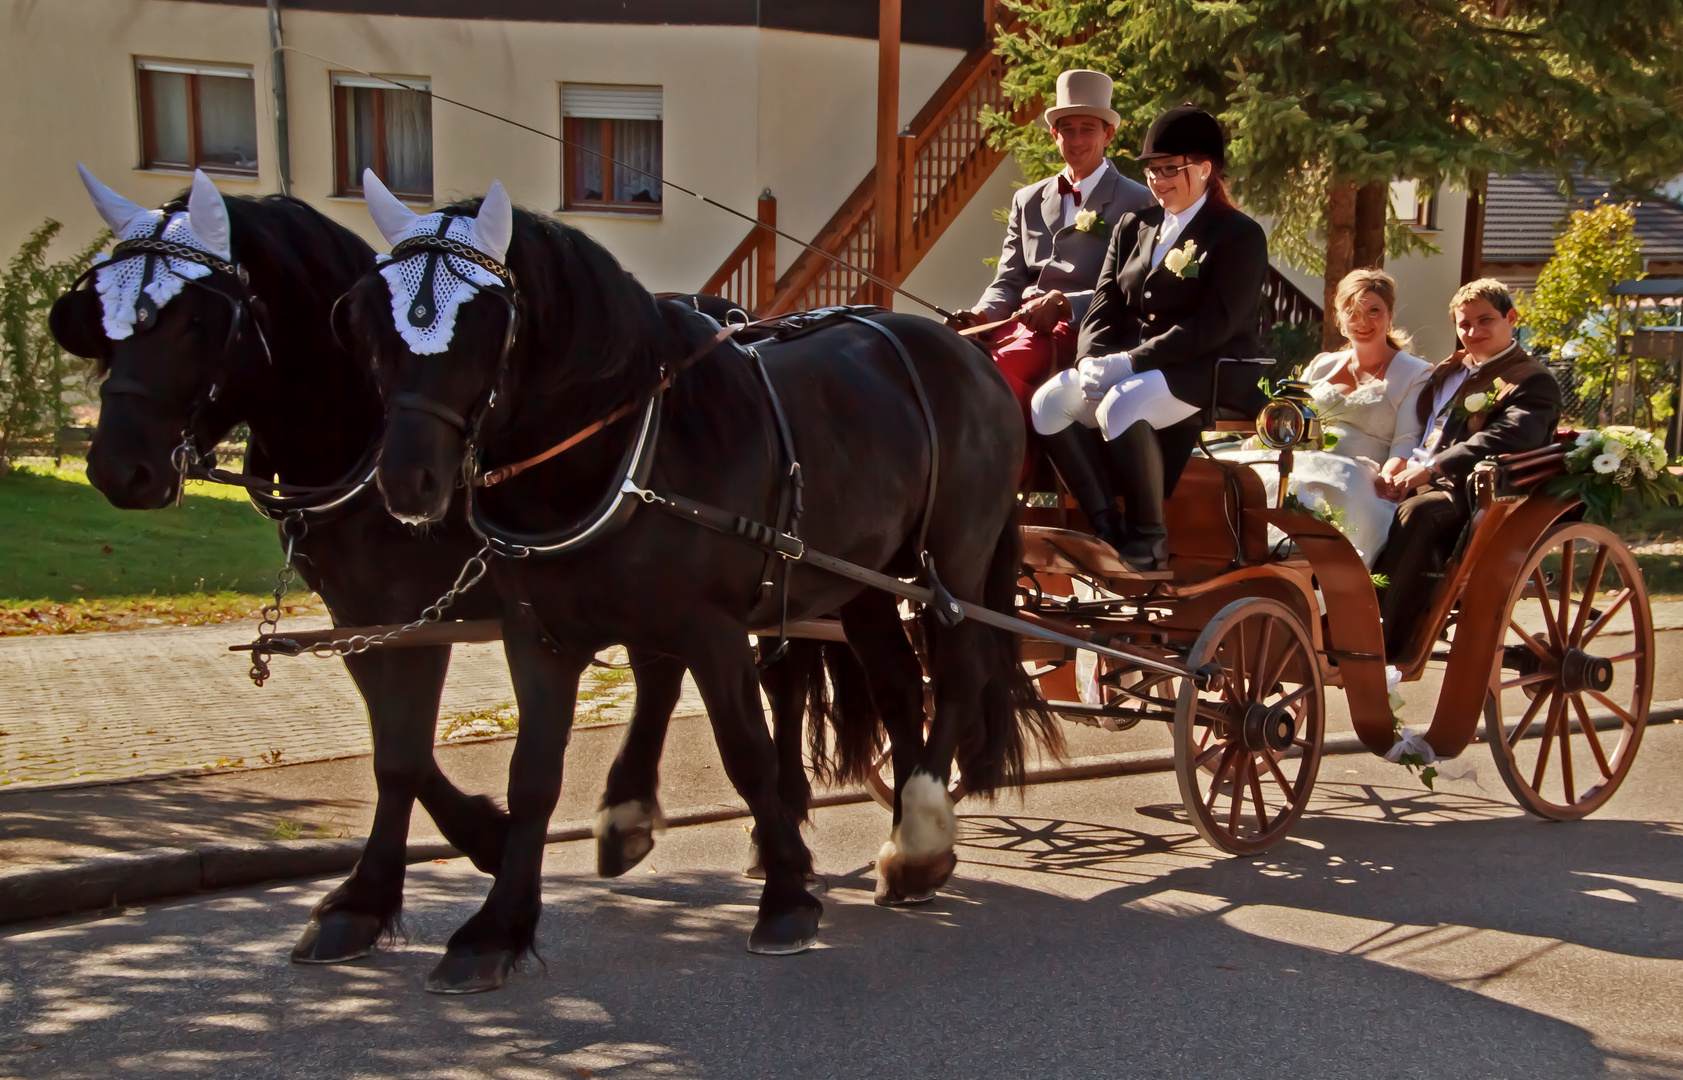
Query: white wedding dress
(1373, 422)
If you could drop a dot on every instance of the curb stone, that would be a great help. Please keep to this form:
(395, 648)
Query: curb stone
(102, 882)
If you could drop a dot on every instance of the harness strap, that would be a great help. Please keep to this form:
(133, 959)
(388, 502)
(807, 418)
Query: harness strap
(414, 402)
(789, 509)
(795, 550)
(504, 472)
(946, 609)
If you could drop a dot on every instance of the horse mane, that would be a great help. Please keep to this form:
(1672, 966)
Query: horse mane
(591, 335)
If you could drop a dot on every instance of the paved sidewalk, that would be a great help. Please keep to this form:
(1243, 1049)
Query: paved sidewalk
(133, 703)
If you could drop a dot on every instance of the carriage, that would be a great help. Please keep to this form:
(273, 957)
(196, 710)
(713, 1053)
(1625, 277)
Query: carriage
(1542, 621)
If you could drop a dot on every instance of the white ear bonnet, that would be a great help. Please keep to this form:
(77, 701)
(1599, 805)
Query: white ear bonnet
(424, 304)
(120, 284)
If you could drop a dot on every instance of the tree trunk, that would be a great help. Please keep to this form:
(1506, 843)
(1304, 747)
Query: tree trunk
(1341, 238)
(1372, 202)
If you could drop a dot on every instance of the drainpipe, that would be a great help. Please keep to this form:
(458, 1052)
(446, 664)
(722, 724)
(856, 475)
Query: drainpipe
(277, 65)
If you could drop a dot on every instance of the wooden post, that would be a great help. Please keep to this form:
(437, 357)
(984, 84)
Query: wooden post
(1472, 235)
(765, 255)
(888, 149)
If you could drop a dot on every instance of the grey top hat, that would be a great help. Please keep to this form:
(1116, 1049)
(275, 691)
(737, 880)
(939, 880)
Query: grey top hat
(1083, 93)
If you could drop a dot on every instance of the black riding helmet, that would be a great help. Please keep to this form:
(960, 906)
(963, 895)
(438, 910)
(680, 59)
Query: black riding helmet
(1185, 130)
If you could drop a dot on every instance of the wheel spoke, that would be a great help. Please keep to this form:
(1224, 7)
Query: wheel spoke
(1238, 803)
(1530, 642)
(1619, 601)
(1617, 711)
(1527, 680)
(1256, 800)
(1588, 729)
(1229, 753)
(1556, 709)
(1592, 585)
(1543, 598)
(1280, 778)
(1568, 551)
(1622, 657)
(1562, 729)
(1259, 689)
(1206, 755)
(1524, 724)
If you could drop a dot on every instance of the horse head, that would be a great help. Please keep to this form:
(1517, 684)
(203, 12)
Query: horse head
(169, 321)
(488, 328)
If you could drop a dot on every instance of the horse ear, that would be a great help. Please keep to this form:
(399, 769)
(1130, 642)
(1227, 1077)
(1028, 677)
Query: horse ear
(493, 227)
(207, 215)
(77, 323)
(391, 217)
(118, 212)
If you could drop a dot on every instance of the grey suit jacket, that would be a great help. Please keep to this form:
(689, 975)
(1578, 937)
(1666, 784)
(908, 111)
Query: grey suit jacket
(1043, 252)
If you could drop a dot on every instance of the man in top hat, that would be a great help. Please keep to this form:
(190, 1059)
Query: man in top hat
(1056, 239)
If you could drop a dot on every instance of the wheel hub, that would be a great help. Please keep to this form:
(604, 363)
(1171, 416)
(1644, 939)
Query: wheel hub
(1269, 727)
(1580, 671)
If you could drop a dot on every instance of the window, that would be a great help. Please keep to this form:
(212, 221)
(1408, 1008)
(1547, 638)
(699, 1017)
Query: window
(197, 116)
(378, 126)
(620, 124)
(1415, 204)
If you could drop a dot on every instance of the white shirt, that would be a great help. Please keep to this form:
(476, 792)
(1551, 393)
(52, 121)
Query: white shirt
(1085, 187)
(1173, 225)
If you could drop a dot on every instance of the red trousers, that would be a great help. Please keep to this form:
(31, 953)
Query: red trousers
(1027, 359)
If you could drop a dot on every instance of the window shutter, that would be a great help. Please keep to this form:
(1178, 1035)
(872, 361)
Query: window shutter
(606, 102)
(178, 67)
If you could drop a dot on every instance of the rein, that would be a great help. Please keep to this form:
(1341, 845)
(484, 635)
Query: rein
(504, 472)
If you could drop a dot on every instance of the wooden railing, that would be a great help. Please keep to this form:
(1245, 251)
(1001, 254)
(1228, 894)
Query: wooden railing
(1283, 302)
(748, 276)
(943, 160)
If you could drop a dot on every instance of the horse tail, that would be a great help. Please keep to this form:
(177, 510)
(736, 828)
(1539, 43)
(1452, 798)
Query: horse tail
(994, 755)
(846, 733)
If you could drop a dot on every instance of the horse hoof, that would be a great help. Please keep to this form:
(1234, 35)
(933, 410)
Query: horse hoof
(337, 937)
(470, 973)
(624, 836)
(787, 934)
(907, 882)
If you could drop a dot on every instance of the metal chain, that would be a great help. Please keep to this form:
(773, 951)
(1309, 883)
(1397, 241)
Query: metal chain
(269, 619)
(472, 572)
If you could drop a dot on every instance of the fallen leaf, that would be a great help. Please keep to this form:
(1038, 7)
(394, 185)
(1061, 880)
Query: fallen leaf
(584, 1072)
(107, 549)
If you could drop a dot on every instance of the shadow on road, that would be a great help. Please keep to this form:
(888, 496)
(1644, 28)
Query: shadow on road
(1190, 969)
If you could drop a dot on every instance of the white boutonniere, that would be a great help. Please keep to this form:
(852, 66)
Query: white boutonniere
(1183, 261)
(1088, 220)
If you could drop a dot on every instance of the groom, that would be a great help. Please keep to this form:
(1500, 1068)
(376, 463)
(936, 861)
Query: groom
(1489, 399)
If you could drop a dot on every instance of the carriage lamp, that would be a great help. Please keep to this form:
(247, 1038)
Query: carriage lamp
(1289, 419)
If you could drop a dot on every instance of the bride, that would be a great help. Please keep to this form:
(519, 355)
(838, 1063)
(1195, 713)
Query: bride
(1365, 396)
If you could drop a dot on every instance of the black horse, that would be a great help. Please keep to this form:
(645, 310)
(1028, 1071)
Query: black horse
(567, 339)
(250, 341)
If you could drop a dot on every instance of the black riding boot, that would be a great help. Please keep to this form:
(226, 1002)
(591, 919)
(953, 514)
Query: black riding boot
(1135, 459)
(1076, 458)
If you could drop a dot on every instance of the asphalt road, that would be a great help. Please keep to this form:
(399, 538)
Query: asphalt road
(1399, 933)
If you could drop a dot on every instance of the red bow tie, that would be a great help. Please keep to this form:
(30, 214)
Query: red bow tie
(1067, 188)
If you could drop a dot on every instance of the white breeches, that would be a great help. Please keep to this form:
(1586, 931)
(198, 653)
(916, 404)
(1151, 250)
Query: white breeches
(1061, 402)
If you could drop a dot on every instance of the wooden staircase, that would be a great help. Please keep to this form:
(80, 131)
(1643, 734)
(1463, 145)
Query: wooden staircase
(942, 162)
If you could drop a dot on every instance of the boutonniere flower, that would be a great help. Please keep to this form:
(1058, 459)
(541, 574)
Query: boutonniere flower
(1088, 220)
(1183, 261)
(1473, 407)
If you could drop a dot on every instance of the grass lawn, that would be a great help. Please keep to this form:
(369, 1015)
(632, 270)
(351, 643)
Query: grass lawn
(70, 560)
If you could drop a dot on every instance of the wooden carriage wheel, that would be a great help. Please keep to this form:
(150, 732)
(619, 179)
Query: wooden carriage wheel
(1579, 639)
(1247, 752)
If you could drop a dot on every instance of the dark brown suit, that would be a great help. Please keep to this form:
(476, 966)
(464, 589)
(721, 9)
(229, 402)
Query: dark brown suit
(1522, 416)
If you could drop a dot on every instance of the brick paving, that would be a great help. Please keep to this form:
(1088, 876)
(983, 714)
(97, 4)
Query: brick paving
(100, 706)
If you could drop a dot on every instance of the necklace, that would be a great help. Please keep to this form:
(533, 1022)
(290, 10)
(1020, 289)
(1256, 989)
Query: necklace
(1356, 373)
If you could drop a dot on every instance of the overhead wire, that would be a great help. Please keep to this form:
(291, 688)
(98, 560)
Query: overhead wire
(398, 84)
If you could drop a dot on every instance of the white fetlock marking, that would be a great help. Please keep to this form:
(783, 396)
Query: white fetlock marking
(928, 825)
(627, 817)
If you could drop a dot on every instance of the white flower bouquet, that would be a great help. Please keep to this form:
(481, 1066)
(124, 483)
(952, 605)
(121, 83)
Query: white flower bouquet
(1605, 463)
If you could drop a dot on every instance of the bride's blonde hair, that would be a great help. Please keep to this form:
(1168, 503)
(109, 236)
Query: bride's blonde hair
(1359, 282)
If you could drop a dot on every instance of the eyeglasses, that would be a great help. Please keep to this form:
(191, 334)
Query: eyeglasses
(1164, 172)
